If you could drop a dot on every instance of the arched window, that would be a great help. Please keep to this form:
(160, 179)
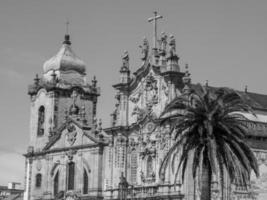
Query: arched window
(41, 120)
(85, 182)
(71, 175)
(56, 183)
(149, 169)
(38, 180)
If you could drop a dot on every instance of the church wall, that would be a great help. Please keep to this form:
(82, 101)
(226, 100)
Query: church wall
(48, 165)
(41, 99)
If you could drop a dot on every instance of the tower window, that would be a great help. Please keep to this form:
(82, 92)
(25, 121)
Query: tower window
(41, 120)
(71, 175)
(85, 182)
(38, 181)
(56, 180)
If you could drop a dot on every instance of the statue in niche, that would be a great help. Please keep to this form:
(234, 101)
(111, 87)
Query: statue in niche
(144, 49)
(74, 109)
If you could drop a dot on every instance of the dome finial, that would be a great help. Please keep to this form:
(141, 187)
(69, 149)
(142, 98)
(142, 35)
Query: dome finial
(67, 36)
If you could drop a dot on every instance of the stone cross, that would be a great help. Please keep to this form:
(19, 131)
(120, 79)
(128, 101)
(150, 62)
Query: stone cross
(67, 27)
(154, 19)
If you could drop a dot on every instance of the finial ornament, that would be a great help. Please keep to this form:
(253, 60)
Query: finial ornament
(154, 20)
(67, 36)
(67, 27)
(36, 80)
(186, 80)
(125, 60)
(94, 82)
(246, 88)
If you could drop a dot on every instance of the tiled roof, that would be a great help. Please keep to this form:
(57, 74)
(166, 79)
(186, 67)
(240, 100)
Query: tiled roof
(255, 100)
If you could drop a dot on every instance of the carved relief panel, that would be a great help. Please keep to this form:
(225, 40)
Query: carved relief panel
(149, 98)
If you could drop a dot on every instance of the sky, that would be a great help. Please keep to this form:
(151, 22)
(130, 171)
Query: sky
(224, 42)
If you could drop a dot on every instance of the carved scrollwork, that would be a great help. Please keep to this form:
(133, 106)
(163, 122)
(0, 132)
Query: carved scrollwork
(151, 89)
(148, 148)
(151, 83)
(141, 113)
(136, 99)
(70, 154)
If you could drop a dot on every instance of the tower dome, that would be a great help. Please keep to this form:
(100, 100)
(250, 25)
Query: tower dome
(65, 60)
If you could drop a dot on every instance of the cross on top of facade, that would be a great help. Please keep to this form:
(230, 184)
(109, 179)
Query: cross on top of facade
(154, 19)
(67, 27)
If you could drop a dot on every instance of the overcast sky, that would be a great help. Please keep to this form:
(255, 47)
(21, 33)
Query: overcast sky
(224, 42)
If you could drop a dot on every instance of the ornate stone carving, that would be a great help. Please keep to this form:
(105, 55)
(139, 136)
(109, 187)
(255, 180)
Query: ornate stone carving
(71, 134)
(136, 98)
(141, 113)
(71, 195)
(151, 89)
(133, 144)
(70, 154)
(147, 147)
(150, 127)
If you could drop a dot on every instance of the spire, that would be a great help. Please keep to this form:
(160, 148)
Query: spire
(125, 71)
(186, 80)
(67, 36)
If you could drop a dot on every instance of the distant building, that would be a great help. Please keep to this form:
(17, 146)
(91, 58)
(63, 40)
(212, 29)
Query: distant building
(70, 156)
(11, 192)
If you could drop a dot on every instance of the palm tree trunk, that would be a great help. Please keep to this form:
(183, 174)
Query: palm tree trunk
(205, 185)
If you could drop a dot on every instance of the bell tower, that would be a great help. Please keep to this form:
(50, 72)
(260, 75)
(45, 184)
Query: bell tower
(61, 91)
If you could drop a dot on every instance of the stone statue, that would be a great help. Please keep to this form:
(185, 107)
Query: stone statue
(125, 60)
(144, 49)
(172, 47)
(163, 42)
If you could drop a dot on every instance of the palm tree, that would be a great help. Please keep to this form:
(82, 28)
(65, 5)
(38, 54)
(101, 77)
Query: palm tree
(210, 132)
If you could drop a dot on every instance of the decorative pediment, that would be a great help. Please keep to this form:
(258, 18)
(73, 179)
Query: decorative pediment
(71, 134)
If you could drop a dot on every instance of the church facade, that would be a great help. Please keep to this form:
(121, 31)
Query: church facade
(70, 155)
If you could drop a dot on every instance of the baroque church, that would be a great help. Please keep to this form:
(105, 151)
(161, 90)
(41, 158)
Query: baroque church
(70, 155)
